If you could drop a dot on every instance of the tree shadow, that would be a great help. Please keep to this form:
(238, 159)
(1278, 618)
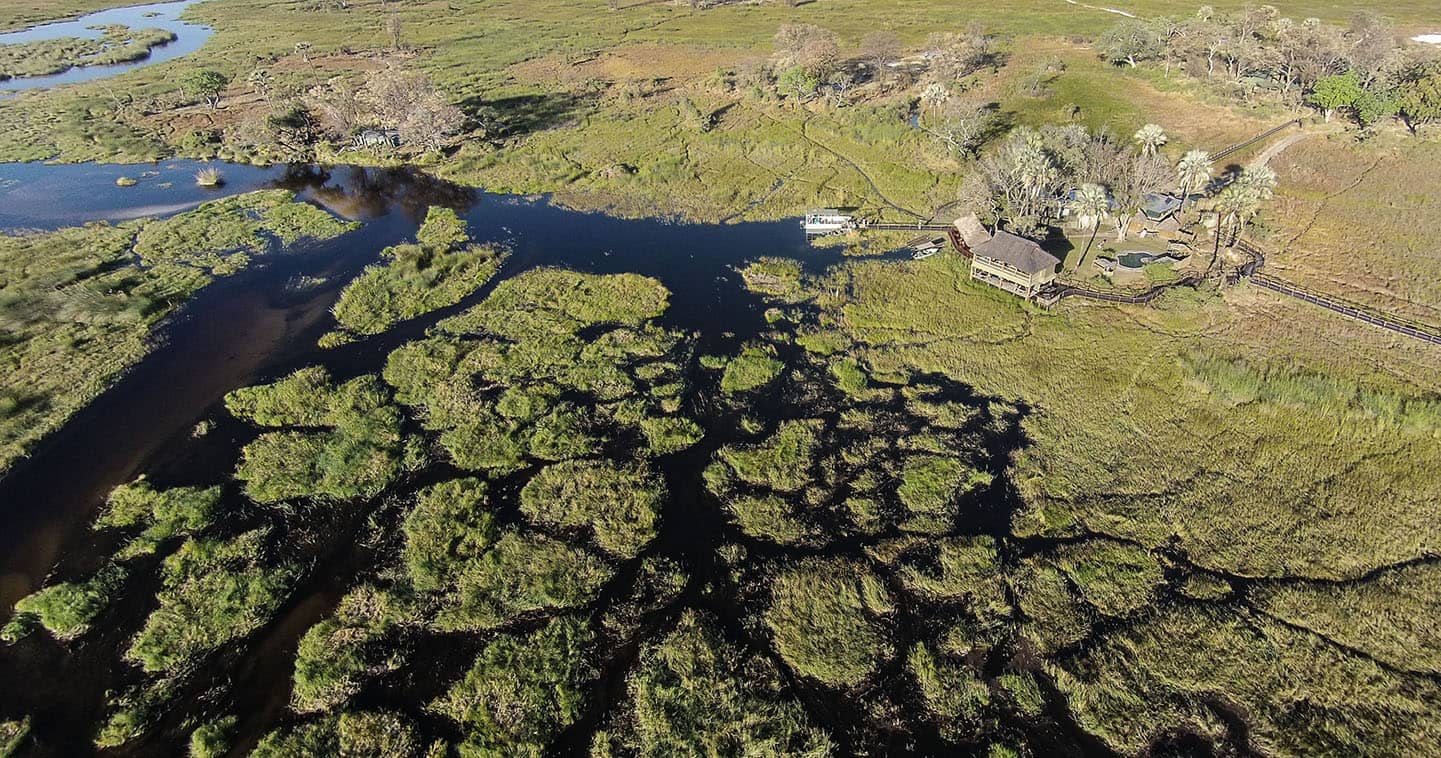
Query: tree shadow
(524, 114)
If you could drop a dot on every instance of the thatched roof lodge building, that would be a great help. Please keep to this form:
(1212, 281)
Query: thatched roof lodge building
(1014, 264)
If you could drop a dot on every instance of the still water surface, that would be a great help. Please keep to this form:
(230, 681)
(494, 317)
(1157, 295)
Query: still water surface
(189, 36)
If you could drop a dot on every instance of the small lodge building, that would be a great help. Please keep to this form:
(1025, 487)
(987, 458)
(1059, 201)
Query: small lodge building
(1014, 264)
(1157, 207)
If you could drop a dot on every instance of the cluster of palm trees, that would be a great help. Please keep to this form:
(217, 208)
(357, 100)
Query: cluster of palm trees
(1237, 204)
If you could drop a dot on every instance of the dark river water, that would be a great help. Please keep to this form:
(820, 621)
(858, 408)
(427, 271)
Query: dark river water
(189, 37)
(262, 324)
(256, 326)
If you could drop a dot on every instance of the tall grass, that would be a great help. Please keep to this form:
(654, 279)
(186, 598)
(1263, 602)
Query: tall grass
(1239, 382)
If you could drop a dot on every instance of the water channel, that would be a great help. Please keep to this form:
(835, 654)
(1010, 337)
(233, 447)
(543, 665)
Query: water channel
(189, 36)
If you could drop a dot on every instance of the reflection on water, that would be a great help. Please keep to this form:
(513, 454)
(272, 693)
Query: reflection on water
(188, 38)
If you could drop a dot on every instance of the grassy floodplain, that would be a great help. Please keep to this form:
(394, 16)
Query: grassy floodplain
(80, 305)
(909, 512)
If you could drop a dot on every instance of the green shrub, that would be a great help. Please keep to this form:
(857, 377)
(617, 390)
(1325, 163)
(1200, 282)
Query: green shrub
(522, 690)
(822, 625)
(619, 504)
(212, 592)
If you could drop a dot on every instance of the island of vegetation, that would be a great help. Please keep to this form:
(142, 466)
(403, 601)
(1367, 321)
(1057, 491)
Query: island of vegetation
(888, 507)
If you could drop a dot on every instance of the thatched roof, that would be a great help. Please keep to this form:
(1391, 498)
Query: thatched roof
(1017, 252)
(973, 232)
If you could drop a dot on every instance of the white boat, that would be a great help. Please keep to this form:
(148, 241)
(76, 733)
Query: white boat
(824, 221)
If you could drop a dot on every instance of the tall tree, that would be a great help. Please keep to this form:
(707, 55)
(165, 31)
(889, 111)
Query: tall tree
(1090, 205)
(1193, 171)
(1419, 98)
(1130, 42)
(206, 85)
(1150, 137)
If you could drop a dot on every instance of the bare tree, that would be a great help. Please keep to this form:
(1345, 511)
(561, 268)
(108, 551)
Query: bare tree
(808, 46)
(337, 106)
(963, 126)
(431, 122)
(393, 29)
(880, 50)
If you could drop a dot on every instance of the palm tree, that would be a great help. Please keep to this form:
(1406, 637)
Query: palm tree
(1193, 172)
(1237, 204)
(1260, 180)
(1090, 204)
(1150, 137)
(935, 95)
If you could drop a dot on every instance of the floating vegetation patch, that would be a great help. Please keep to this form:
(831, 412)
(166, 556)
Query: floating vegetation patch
(439, 270)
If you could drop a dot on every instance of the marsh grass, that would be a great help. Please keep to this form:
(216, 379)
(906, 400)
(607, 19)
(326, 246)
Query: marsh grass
(414, 279)
(619, 505)
(78, 311)
(523, 689)
(694, 693)
(116, 44)
(822, 625)
(213, 592)
(65, 609)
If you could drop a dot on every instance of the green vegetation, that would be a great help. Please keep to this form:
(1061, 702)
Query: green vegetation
(1387, 617)
(357, 452)
(1113, 577)
(116, 44)
(522, 345)
(12, 736)
(213, 592)
(222, 235)
(416, 279)
(783, 462)
(952, 691)
(65, 609)
(823, 625)
(522, 690)
(755, 367)
(1182, 659)
(336, 654)
(165, 514)
(350, 733)
(212, 739)
(77, 310)
(521, 574)
(449, 526)
(694, 694)
(619, 505)
(930, 487)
